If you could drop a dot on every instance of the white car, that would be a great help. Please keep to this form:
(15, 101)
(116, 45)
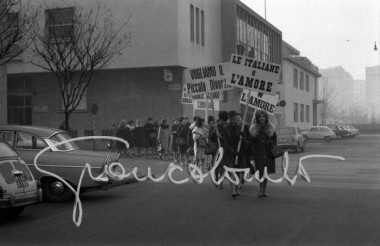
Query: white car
(319, 133)
(18, 188)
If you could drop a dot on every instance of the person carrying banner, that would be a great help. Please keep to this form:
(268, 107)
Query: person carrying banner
(245, 150)
(221, 123)
(231, 136)
(263, 138)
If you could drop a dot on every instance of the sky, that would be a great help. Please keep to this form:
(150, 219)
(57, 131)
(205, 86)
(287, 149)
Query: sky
(329, 32)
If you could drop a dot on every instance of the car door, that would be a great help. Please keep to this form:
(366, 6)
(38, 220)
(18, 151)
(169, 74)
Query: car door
(314, 132)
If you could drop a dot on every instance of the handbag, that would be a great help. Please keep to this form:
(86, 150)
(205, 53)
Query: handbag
(211, 148)
(160, 150)
(180, 141)
(277, 151)
(201, 142)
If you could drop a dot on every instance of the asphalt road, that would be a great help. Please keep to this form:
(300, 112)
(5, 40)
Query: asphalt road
(340, 206)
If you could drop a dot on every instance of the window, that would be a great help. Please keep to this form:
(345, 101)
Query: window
(307, 113)
(7, 137)
(11, 34)
(315, 129)
(295, 78)
(302, 80)
(202, 28)
(307, 83)
(302, 113)
(197, 25)
(295, 112)
(192, 23)
(19, 100)
(27, 141)
(60, 23)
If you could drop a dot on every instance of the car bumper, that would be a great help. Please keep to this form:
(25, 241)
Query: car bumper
(288, 146)
(12, 200)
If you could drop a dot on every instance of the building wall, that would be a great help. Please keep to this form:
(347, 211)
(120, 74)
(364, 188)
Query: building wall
(373, 93)
(295, 95)
(128, 94)
(161, 39)
(3, 93)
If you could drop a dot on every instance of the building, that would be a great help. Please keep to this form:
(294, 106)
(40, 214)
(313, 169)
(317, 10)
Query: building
(299, 89)
(372, 88)
(337, 90)
(146, 79)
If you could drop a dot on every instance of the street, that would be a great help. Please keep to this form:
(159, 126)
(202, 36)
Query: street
(338, 207)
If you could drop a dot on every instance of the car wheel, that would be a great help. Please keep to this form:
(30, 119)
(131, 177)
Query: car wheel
(306, 138)
(55, 191)
(327, 139)
(11, 212)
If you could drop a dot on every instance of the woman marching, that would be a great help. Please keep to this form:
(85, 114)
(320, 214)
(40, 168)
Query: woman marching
(263, 139)
(163, 138)
(231, 136)
(200, 135)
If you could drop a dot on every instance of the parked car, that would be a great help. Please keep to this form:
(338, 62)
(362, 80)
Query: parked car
(354, 131)
(18, 188)
(340, 131)
(345, 127)
(319, 133)
(290, 137)
(67, 160)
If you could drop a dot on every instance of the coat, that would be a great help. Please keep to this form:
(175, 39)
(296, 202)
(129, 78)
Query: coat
(262, 141)
(231, 137)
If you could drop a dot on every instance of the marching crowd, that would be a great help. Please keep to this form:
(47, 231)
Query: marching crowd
(184, 139)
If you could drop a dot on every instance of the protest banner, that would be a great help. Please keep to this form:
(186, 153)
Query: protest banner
(188, 99)
(207, 79)
(254, 75)
(202, 105)
(260, 101)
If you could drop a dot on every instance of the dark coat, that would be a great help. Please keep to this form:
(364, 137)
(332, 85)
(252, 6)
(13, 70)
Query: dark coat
(139, 137)
(231, 137)
(150, 135)
(184, 131)
(262, 141)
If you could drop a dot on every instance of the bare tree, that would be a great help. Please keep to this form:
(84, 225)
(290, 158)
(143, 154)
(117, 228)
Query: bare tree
(18, 21)
(328, 108)
(76, 43)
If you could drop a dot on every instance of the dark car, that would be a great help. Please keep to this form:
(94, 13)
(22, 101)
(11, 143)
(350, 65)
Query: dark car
(67, 160)
(18, 188)
(339, 131)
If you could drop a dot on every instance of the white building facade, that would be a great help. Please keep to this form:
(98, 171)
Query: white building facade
(299, 89)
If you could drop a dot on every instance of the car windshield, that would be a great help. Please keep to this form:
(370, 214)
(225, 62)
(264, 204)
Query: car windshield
(288, 130)
(60, 137)
(6, 151)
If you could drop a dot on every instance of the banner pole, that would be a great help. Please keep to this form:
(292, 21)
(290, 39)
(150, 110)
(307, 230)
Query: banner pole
(242, 127)
(206, 113)
(216, 126)
(253, 117)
